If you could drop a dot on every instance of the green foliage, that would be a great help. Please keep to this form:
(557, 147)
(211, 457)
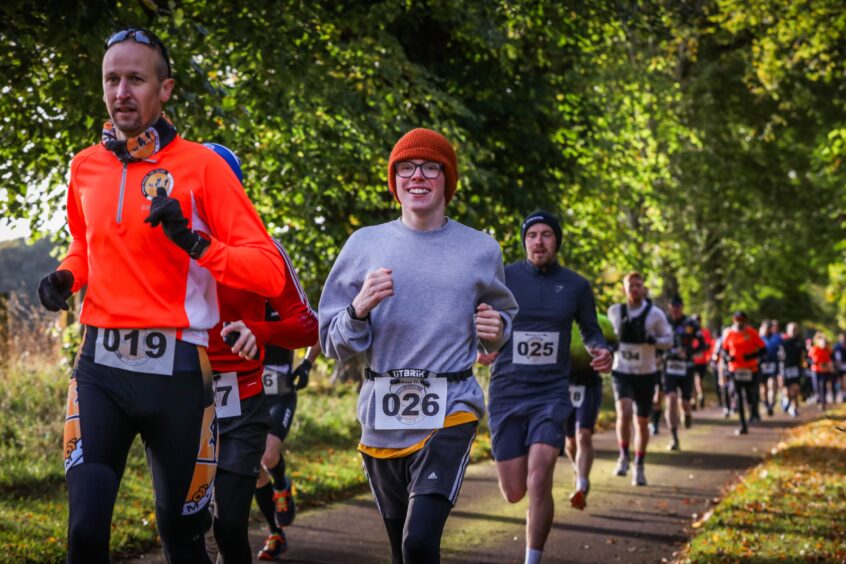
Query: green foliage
(699, 142)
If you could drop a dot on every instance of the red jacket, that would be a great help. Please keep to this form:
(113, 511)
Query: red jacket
(137, 277)
(296, 328)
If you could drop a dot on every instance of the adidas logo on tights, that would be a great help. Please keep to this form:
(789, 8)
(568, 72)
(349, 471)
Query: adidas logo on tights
(432, 476)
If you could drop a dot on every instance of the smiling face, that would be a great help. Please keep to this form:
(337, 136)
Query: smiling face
(132, 90)
(541, 244)
(421, 196)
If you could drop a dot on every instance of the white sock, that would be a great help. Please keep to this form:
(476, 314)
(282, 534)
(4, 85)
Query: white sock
(582, 484)
(533, 555)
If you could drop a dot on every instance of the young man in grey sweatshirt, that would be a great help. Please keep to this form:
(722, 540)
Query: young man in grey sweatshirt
(419, 296)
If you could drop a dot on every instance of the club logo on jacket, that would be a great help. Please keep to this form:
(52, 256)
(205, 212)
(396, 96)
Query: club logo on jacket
(155, 179)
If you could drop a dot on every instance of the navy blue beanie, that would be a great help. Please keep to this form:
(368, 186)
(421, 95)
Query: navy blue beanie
(229, 156)
(541, 216)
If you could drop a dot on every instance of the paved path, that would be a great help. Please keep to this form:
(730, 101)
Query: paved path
(622, 522)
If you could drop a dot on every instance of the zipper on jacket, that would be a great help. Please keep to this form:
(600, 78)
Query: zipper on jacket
(120, 197)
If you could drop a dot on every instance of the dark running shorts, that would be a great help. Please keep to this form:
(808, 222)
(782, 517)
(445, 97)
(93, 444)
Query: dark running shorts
(640, 388)
(683, 383)
(243, 438)
(584, 416)
(282, 410)
(518, 423)
(437, 468)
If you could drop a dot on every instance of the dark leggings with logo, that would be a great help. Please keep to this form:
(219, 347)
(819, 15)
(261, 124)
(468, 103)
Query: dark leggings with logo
(174, 414)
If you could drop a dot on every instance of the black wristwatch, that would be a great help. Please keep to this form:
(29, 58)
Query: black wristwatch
(354, 316)
(199, 246)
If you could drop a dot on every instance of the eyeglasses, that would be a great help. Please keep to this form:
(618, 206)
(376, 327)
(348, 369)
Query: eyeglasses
(406, 169)
(139, 36)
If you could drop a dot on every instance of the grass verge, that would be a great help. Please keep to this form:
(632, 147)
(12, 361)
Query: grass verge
(791, 507)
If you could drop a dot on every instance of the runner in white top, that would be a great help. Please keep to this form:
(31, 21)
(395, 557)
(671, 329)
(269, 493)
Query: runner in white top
(641, 328)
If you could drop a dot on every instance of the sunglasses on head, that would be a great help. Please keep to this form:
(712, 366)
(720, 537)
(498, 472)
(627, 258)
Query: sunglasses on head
(139, 36)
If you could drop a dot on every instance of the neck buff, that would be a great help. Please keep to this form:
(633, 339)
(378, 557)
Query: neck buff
(143, 146)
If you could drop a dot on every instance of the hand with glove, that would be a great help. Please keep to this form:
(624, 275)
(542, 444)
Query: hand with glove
(167, 211)
(55, 289)
(751, 356)
(300, 375)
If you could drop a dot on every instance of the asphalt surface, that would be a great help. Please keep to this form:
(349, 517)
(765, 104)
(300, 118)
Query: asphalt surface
(621, 523)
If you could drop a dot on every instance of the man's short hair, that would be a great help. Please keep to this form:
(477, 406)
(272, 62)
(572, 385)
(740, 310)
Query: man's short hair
(633, 274)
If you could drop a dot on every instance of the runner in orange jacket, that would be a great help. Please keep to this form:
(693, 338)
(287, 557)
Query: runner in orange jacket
(743, 348)
(156, 221)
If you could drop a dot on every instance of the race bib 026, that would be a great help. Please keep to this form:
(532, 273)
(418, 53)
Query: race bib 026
(227, 396)
(535, 347)
(150, 351)
(410, 403)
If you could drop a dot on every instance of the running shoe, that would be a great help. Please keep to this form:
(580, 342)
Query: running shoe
(622, 466)
(793, 412)
(674, 445)
(639, 476)
(284, 507)
(742, 431)
(785, 404)
(274, 547)
(726, 413)
(653, 429)
(770, 410)
(578, 499)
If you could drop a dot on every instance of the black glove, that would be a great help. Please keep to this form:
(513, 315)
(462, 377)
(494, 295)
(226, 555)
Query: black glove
(300, 379)
(750, 356)
(55, 289)
(166, 210)
(650, 340)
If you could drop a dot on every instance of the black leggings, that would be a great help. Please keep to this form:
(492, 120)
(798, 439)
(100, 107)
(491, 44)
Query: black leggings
(417, 538)
(233, 495)
(107, 408)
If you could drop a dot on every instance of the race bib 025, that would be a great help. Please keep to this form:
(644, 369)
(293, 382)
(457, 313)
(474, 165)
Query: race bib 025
(535, 347)
(150, 351)
(410, 403)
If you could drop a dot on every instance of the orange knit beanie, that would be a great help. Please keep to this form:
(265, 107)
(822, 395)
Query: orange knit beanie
(425, 144)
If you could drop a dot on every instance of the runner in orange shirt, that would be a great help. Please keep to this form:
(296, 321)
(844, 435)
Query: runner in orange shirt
(743, 348)
(156, 222)
(820, 356)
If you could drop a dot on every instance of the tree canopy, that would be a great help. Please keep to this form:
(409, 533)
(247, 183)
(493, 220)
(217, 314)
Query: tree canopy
(699, 142)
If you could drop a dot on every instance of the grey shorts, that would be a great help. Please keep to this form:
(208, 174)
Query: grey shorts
(438, 468)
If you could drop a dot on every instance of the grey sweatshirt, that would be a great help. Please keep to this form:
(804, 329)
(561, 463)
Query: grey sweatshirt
(439, 278)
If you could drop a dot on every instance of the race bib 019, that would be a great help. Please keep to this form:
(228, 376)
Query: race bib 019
(227, 397)
(535, 347)
(150, 351)
(410, 403)
(743, 375)
(577, 395)
(676, 368)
